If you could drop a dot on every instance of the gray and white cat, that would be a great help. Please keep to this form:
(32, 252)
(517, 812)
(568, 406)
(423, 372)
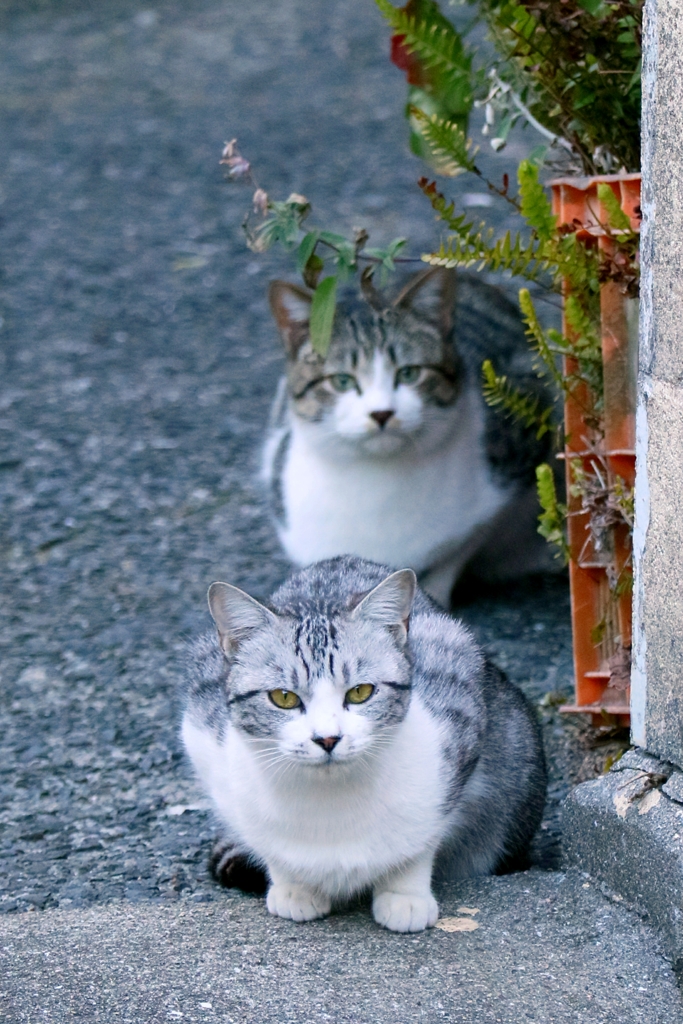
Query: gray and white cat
(386, 449)
(352, 737)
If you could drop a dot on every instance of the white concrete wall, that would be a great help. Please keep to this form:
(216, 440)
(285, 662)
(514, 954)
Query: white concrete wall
(657, 679)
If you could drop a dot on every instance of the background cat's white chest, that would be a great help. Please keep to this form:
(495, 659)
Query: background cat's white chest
(413, 510)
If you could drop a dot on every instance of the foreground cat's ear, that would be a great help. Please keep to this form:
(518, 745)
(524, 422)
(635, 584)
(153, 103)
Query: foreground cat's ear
(431, 293)
(391, 602)
(291, 308)
(235, 614)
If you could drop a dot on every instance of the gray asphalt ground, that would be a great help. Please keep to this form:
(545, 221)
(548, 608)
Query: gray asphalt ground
(546, 950)
(137, 362)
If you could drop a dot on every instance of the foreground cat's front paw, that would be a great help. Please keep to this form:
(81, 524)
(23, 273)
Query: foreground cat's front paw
(297, 902)
(405, 913)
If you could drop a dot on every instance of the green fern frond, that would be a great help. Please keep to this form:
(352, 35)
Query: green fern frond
(553, 517)
(518, 257)
(586, 342)
(499, 393)
(616, 218)
(535, 204)
(456, 253)
(446, 211)
(451, 149)
(578, 264)
(471, 246)
(578, 320)
(539, 340)
(432, 37)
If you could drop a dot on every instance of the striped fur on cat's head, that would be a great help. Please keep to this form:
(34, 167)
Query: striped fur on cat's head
(317, 686)
(391, 378)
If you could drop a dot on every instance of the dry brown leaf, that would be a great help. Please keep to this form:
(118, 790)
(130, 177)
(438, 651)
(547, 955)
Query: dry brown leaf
(456, 924)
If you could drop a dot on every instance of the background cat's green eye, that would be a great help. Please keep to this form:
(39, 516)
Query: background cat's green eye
(359, 694)
(343, 382)
(408, 374)
(285, 699)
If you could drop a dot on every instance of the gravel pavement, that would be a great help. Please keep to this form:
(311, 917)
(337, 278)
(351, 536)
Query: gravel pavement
(137, 362)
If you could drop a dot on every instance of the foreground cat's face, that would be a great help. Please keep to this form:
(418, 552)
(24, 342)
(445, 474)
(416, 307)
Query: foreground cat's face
(337, 713)
(388, 382)
(319, 691)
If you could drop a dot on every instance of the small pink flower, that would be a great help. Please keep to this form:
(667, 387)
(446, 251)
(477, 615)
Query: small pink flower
(238, 166)
(232, 157)
(229, 150)
(260, 201)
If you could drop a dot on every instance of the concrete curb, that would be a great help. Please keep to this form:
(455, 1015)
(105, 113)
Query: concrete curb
(530, 948)
(626, 828)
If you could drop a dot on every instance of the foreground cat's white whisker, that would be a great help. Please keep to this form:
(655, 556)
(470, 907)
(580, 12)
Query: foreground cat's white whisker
(265, 751)
(284, 768)
(272, 757)
(347, 782)
(267, 760)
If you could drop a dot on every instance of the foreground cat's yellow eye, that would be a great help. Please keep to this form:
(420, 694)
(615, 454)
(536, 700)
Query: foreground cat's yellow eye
(285, 699)
(408, 374)
(343, 381)
(359, 694)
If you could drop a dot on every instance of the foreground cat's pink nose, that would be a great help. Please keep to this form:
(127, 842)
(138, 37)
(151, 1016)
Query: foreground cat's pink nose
(382, 416)
(328, 743)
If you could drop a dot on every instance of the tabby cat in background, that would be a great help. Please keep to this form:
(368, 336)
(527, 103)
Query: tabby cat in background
(386, 449)
(353, 738)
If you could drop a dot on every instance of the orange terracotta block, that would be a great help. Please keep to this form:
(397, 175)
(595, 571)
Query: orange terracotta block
(601, 617)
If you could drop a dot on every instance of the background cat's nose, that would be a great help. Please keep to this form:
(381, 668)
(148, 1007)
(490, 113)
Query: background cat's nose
(382, 416)
(328, 743)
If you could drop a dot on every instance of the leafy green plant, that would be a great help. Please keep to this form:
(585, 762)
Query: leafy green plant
(559, 62)
(498, 392)
(282, 222)
(554, 513)
(545, 255)
(569, 69)
(575, 67)
(438, 66)
(316, 252)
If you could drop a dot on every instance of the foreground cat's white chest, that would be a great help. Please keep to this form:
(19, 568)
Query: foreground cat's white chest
(414, 510)
(338, 830)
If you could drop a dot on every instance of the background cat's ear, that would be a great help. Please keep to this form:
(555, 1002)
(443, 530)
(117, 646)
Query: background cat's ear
(291, 308)
(391, 602)
(235, 614)
(431, 293)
